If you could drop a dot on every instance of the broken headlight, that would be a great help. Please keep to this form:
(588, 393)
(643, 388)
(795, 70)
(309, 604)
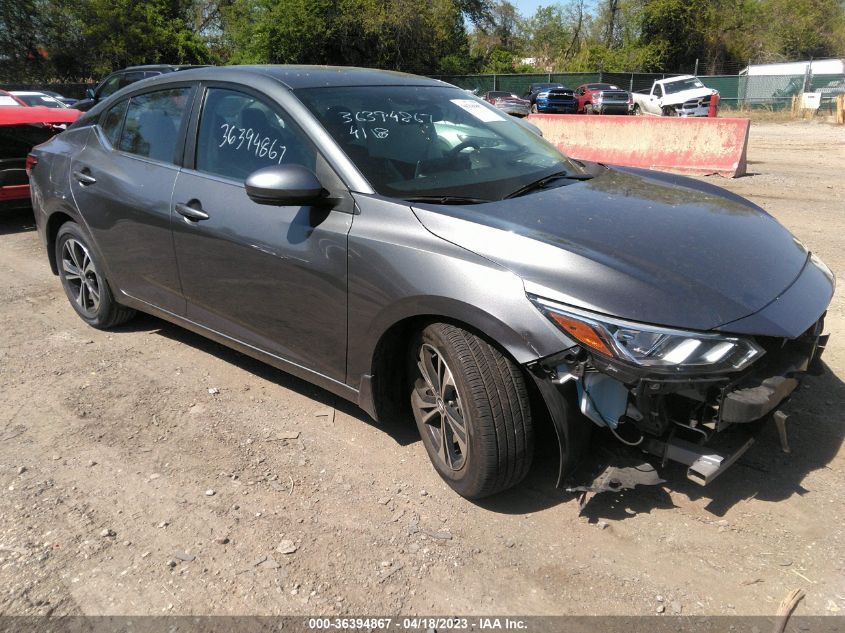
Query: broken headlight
(650, 346)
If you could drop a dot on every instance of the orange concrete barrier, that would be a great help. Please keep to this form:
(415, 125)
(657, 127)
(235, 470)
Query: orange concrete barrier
(685, 145)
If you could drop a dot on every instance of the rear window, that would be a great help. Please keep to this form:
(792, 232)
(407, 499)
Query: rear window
(112, 121)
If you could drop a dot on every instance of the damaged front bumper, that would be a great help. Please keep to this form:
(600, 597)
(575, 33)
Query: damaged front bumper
(673, 417)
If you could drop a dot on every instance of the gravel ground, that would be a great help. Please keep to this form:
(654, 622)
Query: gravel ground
(147, 470)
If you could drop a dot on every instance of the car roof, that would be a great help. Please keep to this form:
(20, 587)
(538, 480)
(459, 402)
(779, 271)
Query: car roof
(670, 79)
(161, 67)
(28, 93)
(296, 77)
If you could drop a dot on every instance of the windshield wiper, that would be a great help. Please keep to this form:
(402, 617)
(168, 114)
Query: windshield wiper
(545, 181)
(447, 199)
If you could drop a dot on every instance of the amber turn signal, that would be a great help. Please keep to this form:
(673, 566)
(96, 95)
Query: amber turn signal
(581, 332)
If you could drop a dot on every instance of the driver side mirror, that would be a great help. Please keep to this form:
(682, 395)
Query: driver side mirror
(284, 185)
(90, 93)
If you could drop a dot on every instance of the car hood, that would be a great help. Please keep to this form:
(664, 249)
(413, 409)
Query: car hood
(640, 245)
(685, 95)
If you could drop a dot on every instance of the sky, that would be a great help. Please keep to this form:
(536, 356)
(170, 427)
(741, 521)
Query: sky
(528, 7)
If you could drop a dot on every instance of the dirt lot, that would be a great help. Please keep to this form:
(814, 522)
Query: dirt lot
(131, 486)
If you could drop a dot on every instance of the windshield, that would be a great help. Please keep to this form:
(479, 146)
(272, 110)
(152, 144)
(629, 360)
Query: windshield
(41, 100)
(683, 84)
(415, 141)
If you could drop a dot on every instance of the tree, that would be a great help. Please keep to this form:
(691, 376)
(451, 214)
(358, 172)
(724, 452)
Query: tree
(21, 55)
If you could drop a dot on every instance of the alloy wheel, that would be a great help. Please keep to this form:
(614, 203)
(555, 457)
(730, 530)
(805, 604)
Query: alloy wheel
(438, 405)
(81, 276)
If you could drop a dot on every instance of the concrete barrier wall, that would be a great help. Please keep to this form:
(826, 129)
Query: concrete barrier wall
(685, 145)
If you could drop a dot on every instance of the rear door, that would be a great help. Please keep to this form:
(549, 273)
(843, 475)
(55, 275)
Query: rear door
(271, 277)
(122, 182)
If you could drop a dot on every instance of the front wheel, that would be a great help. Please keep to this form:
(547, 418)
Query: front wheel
(471, 406)
(588, 108)
(533, 108)
(636, 110)
(83, 280)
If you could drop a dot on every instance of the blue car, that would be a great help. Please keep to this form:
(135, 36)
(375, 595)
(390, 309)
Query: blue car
(552, 98)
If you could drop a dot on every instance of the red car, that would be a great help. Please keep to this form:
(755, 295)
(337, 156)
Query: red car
(22, 128)
(602, 99)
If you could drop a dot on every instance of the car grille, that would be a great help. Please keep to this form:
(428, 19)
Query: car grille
(695, 103)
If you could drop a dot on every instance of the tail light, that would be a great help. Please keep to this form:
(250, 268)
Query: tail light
(31, 162)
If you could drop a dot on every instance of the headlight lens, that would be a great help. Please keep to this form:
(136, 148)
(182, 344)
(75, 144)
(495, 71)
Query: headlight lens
(651, 346)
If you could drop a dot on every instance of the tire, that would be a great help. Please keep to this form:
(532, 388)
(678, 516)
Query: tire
(84, 282)
(636, 110)
(461, 386)
(588, 108)
(533, 108)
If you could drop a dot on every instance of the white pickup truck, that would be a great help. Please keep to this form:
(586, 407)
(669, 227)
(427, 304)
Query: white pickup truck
(676, 96)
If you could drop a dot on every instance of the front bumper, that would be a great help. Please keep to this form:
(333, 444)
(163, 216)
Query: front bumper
(696, 111)
(612, 107)
(679, 418)
(551, 107)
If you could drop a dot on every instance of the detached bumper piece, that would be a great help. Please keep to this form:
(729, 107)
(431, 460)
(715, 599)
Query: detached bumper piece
(704, 464)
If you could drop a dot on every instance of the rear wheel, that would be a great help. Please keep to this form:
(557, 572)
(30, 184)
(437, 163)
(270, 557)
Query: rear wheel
(83, 280)
(471, 406)
(533, 108)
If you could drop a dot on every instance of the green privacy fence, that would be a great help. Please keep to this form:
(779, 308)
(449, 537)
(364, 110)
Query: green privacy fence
(736, 91)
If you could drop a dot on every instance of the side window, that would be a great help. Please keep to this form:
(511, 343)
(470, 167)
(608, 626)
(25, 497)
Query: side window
(112, 120)
(131, 78)
(659, 91)
(239, 134)
(111, 85)
(152, 124)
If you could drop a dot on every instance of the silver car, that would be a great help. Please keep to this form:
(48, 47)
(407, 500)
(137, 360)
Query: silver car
(411, 248)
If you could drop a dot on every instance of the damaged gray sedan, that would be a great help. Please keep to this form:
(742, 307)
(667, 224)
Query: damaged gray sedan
(412, 249)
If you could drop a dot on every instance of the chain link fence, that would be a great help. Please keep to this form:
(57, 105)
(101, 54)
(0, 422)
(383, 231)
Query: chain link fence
(773, 92)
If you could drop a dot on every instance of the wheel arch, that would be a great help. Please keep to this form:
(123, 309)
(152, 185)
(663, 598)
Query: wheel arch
(384, 370)
(54, 222)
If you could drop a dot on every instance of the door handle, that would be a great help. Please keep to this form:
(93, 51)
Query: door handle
(84, 177)
(195, 215)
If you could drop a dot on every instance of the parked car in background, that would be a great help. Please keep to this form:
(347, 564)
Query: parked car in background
(32, 98)
(69, 101)
(122, 78)
(602, 99)
(483, 267)
(676, 96)
(7, 100)
(551, 97)
(508, 102)
(22, 128)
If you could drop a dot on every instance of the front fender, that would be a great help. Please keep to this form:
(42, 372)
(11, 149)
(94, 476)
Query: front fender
(398, 270)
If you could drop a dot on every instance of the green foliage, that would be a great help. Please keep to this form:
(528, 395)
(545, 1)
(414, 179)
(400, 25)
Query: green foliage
(21, 55)
(395, 34)
(83, 39)
(129, 32)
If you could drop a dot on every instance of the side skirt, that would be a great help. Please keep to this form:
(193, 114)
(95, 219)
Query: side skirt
(329, 384)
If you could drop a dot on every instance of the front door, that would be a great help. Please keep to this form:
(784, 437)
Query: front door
(271, 277)
(122, 183)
